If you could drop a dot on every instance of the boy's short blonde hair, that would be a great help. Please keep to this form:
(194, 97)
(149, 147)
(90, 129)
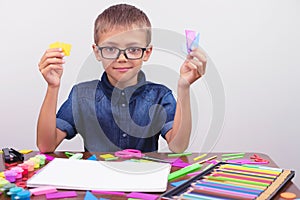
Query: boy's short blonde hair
(121, 15)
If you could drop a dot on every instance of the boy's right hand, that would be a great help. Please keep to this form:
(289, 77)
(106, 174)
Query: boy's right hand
(51, 67)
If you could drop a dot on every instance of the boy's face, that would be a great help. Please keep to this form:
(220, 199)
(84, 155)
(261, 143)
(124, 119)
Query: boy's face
(121, 71)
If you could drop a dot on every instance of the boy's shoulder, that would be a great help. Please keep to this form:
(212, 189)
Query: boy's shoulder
(86, 89)
(154, 91)
(87, 84)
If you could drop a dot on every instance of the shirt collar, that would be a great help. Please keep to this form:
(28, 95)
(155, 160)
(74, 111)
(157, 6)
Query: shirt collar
(130, 93)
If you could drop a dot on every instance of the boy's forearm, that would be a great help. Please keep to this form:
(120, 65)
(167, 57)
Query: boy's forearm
(181, 131)
(46, 126)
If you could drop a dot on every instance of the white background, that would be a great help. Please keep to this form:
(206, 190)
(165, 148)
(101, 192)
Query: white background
(253, 44)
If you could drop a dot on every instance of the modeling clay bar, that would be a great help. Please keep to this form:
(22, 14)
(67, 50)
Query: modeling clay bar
(65, 47)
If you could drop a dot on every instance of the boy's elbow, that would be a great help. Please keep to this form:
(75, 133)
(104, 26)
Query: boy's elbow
(177, 148)
(177, 151)
(45, 149)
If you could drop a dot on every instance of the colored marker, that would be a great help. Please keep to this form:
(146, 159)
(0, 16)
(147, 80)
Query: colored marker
(199, 157)
(179, 154)
(233, 154)
(210, 158)
(232, 157)
(184, 171)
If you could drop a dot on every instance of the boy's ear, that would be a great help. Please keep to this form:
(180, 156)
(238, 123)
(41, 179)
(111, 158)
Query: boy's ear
(96, 52)
(147, 53)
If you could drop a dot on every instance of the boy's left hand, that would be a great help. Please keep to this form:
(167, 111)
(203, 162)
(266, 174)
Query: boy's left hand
(193, 67)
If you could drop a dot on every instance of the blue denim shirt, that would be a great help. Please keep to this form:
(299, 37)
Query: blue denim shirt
(110, 119)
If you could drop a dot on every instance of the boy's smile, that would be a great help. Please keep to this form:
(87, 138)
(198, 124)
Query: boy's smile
(123, 70)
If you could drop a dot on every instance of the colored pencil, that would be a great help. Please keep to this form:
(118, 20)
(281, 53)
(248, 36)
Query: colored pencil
(264, 172)
(237, 180)
(246, 167)
(205, 160)
(263, 167)
(240, 184)
(269, 177)
(242, 177)
(192, 196)
(235, 184)
(227, 187)
(223, 193)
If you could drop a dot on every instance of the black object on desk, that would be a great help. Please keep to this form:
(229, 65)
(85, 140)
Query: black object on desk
(11, 155)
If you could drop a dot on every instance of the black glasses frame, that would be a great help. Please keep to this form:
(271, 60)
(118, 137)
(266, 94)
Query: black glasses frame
(124, 52)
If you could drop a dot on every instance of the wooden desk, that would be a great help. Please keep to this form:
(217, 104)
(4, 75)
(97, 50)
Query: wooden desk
(290, 187)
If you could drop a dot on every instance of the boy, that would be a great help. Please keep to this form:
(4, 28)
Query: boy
(122, 110)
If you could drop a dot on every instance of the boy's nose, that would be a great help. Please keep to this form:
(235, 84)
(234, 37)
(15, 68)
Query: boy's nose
(122, 57)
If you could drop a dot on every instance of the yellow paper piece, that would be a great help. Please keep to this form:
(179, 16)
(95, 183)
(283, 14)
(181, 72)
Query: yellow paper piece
(25, 151)
(105, 156)
(65, 47)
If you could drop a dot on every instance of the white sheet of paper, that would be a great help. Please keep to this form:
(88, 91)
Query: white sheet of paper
(124, 176)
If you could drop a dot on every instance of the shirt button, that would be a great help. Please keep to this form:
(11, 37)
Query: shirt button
(122, 93)
(123, 104)
(124, 134)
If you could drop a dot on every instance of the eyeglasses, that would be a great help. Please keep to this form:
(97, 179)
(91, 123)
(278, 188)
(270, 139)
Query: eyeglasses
(131, 53)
